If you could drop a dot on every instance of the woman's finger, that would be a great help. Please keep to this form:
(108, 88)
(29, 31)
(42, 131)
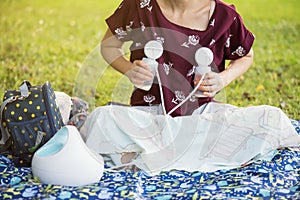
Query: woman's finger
(143, 68)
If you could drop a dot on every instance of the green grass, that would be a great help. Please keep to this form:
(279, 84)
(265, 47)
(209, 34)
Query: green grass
(42, 40)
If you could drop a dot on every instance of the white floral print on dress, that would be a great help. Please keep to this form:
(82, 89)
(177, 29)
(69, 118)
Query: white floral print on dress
(240, 51)
(167, 67)
(213, 41)
(142, 26)
(120, 33)
(146, 3)
(149, 98)
(160, 39)
(191, 71)
(228, 41)
(128, 27)
(179, 97)
(138, 44)
(193, 98)
(212, 23)
(192, 40)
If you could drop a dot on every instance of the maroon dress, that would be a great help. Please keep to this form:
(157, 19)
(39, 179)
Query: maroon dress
(140, 21)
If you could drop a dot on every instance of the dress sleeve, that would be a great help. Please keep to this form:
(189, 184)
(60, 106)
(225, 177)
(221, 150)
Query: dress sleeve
(121, 22)
(240, 40)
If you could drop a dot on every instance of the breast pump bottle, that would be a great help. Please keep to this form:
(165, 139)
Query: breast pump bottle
(153, 50)
(204, 57)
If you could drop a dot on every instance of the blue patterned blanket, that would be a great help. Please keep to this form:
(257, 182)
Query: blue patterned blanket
(277, 179)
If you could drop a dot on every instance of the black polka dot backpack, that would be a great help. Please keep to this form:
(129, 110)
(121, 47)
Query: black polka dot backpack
(29, 118)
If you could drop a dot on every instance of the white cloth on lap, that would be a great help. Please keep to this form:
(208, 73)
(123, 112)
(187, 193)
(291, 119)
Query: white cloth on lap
(217, 136)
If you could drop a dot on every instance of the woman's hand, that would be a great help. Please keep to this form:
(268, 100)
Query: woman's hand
(111, 48)
(212, 83)
(139, 73)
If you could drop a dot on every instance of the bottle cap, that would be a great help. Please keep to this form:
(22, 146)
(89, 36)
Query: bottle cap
(153, 49)
(204, 56)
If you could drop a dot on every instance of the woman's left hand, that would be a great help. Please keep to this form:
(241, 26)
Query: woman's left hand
(212, 83)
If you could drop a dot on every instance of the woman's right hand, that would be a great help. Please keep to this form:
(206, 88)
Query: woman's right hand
(139, 73)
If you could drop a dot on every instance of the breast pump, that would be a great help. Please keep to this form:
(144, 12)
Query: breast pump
(154, 49)
(204, 58)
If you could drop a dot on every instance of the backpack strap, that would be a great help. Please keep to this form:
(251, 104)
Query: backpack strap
(4, 133)
(24, 89)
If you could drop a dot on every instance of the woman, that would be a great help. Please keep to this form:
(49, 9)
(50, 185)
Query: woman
(214, 136)
(182, 26)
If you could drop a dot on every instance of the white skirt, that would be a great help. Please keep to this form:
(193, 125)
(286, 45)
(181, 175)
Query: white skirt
(216, 136)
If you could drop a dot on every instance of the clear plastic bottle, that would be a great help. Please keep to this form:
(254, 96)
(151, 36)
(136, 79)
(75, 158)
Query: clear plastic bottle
(153, 50)
(153, 64)
(199, 72)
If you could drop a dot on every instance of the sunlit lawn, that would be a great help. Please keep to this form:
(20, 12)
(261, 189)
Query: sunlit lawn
(44, 40)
